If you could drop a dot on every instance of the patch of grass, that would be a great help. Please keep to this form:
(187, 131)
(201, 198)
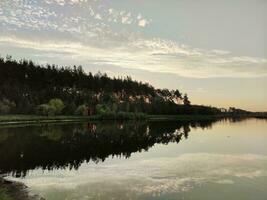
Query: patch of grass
(31, 119)
(4, 195)
(11, 118)
(121, 116)
(184, 117)
(36, 119)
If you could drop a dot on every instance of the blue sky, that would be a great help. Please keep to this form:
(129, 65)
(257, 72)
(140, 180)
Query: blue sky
(215, 50)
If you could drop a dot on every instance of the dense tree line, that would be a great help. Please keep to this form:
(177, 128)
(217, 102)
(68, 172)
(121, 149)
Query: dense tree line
(29, 88)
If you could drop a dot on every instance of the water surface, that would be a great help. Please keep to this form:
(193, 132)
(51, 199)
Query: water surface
(139, 160)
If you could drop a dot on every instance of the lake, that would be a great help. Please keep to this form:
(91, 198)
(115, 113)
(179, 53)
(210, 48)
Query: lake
(206, 160)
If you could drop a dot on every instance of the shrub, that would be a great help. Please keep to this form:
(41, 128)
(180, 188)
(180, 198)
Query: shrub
(81, 110)
(6, 106)
(70, 109)
(102, 109)
(4, 194)
(4, 109)
(140, 115)
(46, 110)
(57, 104)
(54, 107)
(124, 115)
(108, 115)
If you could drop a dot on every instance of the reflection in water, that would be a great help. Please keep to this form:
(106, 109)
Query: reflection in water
(69, 145)
(229, 158)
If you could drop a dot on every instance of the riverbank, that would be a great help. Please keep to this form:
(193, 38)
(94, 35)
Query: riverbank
(35, 119)
(184, 117)
(32, 119)
(10, 190)
(261, 117)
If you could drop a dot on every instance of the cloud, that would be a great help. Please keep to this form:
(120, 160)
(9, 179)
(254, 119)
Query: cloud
(46, 15)
(85, 30)
(154, 55)
(124, 19)
(64, 2)
(97, 16)
(153, 176)
(142, 22)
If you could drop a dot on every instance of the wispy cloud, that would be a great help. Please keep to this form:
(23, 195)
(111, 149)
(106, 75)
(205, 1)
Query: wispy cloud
(96, 33)
(154, 55)
(142, 22)
(71, 14)
(155, 176)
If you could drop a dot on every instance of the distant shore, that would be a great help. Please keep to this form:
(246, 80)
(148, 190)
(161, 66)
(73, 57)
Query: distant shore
(35, 119)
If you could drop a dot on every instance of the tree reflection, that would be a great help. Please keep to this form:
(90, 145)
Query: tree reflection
(69, 145)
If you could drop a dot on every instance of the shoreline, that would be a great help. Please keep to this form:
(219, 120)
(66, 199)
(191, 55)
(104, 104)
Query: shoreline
(13, 190)
(35, 119)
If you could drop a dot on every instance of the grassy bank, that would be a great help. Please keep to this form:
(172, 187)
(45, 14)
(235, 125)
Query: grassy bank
(184, 117)
(35, 119)
(203, 117)
(24, 119)
(30, 119)
(4, 194)
(10, 190)
(261, 117)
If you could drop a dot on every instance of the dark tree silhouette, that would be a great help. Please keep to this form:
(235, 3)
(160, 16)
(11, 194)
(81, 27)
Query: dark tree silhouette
(24, 86)
(53, 146)
(186, 100)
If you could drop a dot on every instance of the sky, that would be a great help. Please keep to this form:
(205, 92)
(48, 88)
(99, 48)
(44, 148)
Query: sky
(213, 50)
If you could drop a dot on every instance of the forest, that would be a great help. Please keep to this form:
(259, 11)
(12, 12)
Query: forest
(29, 88)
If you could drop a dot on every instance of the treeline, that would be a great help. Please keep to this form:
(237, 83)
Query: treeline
(29, 88)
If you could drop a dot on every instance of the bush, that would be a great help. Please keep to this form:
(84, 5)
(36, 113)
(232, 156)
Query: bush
(57, 104)
(140, 115)
(6, 106)
(70, 109)
(81, 110)
(122, 116)
(46, 110)
(102, 109)
(54, 107)
(4, 194)
(108, 115)
(4, 109)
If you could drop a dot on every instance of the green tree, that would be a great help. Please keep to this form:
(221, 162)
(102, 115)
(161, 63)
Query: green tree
(46, 110)
(57, 104)
(102, 109)
(53, 107)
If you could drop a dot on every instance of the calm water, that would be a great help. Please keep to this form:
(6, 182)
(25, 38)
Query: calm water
(137, 160)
